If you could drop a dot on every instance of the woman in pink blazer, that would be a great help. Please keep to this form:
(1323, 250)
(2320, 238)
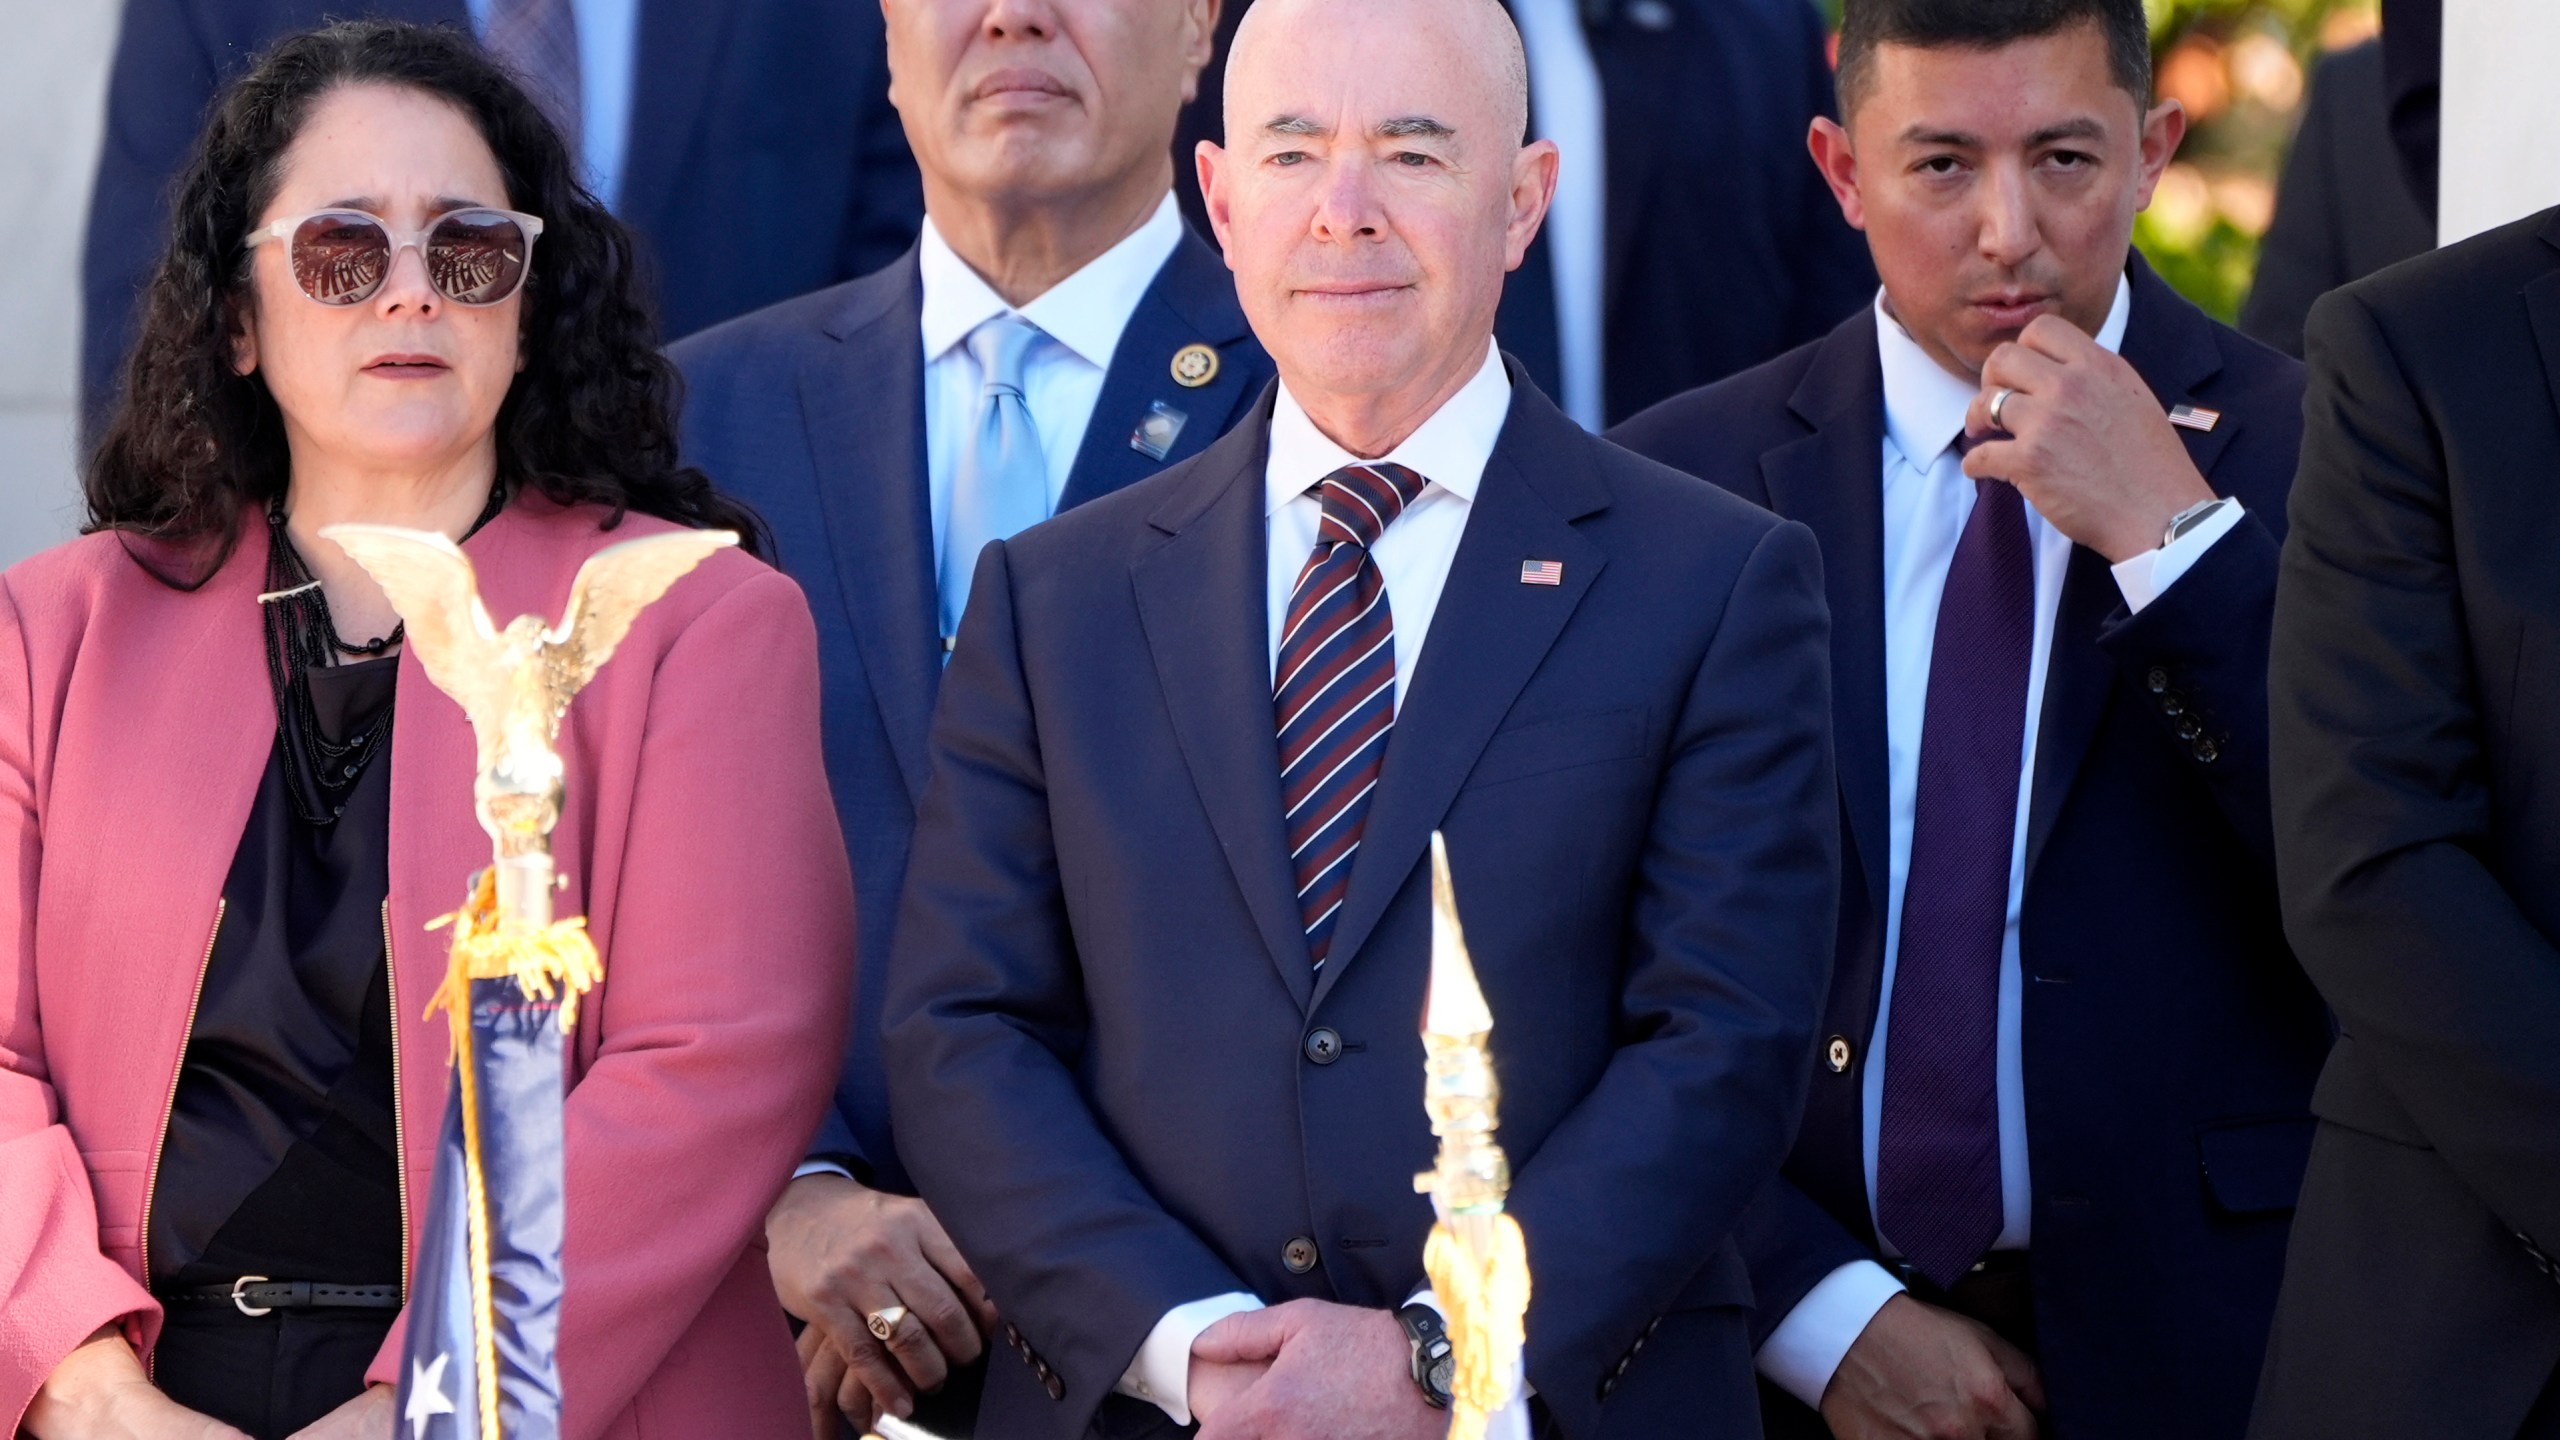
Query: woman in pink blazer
(230, 802)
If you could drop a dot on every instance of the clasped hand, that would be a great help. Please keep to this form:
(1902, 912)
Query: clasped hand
(1309, 1370)
(2087, 442)
(1921, 1373)
(841, 1252)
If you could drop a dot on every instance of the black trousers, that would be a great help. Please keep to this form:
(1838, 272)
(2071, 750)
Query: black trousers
(267, 1375)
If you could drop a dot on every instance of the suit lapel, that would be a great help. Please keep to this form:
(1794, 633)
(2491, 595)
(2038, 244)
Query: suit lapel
(1832, 481)
(200, 773)
(1200, 600)
(1487, 637)
(2170, 344)
(680, 49)
(862, 400)
(1190, 302)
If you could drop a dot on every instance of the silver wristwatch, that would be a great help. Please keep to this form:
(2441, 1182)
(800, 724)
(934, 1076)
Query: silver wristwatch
(2189, 518)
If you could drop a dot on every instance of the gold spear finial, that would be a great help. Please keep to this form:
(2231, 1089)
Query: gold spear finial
(1477, 1258)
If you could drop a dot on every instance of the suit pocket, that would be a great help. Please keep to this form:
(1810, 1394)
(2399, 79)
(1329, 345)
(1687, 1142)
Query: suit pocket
(2254, 1167)
(1563, 742)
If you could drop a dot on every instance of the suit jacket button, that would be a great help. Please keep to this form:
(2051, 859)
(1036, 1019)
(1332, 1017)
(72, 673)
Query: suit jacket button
(2172, 706)
(1056, 1387)
(1324, 1046)
(1836, 1054)
(2158, 680)
(1300, 1255)
(2188, 729)
(2207, 752)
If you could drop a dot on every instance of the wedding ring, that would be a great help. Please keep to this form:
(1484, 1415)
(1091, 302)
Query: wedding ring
(1999, 398)
(885, 1323)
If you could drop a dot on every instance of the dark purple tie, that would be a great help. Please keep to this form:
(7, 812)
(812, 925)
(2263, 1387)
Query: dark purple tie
(1335, 689)
(1938, 1150)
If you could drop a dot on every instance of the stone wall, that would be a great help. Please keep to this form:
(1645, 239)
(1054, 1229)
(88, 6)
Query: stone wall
(53, 72)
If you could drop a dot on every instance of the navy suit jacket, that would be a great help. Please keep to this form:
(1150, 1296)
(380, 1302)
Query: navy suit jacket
(764, 159)
(2171, 1040)
(1103, 1029)
(1723, 246)
(813, 412)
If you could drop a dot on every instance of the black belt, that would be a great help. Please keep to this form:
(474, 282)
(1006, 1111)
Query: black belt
(256, 1295)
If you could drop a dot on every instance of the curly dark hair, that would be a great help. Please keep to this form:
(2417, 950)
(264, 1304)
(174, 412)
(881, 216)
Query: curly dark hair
(191, 444)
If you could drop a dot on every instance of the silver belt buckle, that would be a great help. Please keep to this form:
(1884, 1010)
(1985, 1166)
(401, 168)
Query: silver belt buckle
(241, 1302)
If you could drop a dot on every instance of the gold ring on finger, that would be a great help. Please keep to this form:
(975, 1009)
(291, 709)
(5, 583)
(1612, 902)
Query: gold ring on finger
(885, 1323)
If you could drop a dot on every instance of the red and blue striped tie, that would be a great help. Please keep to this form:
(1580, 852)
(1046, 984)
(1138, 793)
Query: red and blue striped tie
(1335, 689)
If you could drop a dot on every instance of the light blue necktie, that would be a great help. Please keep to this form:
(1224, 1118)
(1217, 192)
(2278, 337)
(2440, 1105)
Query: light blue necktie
(1002, 485)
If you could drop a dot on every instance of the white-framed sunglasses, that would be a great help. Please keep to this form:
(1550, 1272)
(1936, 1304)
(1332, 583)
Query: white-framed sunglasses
(477, 255)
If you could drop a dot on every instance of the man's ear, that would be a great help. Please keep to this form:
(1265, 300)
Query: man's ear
(1199, 44)
(1214, 164)
(2162, 130)
(1533, 189)
(1838, 162)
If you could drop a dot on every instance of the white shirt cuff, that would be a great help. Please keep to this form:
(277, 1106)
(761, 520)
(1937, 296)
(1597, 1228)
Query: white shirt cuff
(821, 1167)
(2147, 576)
(1161, 1373)
(1800, 1356)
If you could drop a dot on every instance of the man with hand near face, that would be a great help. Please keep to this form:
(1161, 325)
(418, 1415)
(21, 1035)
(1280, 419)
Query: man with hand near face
(2059, 1118)
(1056, 334)
(1153, 1011)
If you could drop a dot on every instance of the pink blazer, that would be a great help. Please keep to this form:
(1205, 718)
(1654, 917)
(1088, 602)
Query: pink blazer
(698, 839)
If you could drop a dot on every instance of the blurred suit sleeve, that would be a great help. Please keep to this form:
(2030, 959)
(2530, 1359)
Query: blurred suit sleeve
(2384, 820)
(160, 82)
(2342, 211)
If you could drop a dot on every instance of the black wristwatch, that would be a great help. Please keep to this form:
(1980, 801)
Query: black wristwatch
(1435, 1364)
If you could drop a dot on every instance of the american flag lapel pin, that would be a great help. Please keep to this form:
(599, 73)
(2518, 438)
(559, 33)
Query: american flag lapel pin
(1541, 572)
(2194, 417)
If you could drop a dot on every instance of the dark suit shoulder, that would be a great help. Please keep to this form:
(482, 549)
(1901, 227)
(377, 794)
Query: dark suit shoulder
(1110, 524)
(2440, 294)
(1650, 490)
(1719, 432)
(760, 335)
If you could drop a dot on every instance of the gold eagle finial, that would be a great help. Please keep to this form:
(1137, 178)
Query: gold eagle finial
(516, 683)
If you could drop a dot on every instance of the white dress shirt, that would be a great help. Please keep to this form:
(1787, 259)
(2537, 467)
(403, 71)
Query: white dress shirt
(1081, 316)
(1450, 451)
(1080, 319)
(608, 57)
(1927, 498)
(1566, 106)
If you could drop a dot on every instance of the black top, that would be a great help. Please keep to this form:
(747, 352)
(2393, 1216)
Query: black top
(281, 1158)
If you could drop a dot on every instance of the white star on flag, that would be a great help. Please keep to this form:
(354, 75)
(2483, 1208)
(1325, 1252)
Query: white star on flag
(426, 1396)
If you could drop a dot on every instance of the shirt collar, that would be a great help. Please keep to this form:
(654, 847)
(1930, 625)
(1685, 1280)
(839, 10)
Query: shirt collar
(1086, 312)
(1924, 406)
(1450, 449)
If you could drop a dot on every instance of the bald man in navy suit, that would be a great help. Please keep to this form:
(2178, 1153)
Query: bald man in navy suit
(1154, 998)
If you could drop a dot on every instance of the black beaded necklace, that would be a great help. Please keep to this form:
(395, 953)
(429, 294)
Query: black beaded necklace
(301, 637)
